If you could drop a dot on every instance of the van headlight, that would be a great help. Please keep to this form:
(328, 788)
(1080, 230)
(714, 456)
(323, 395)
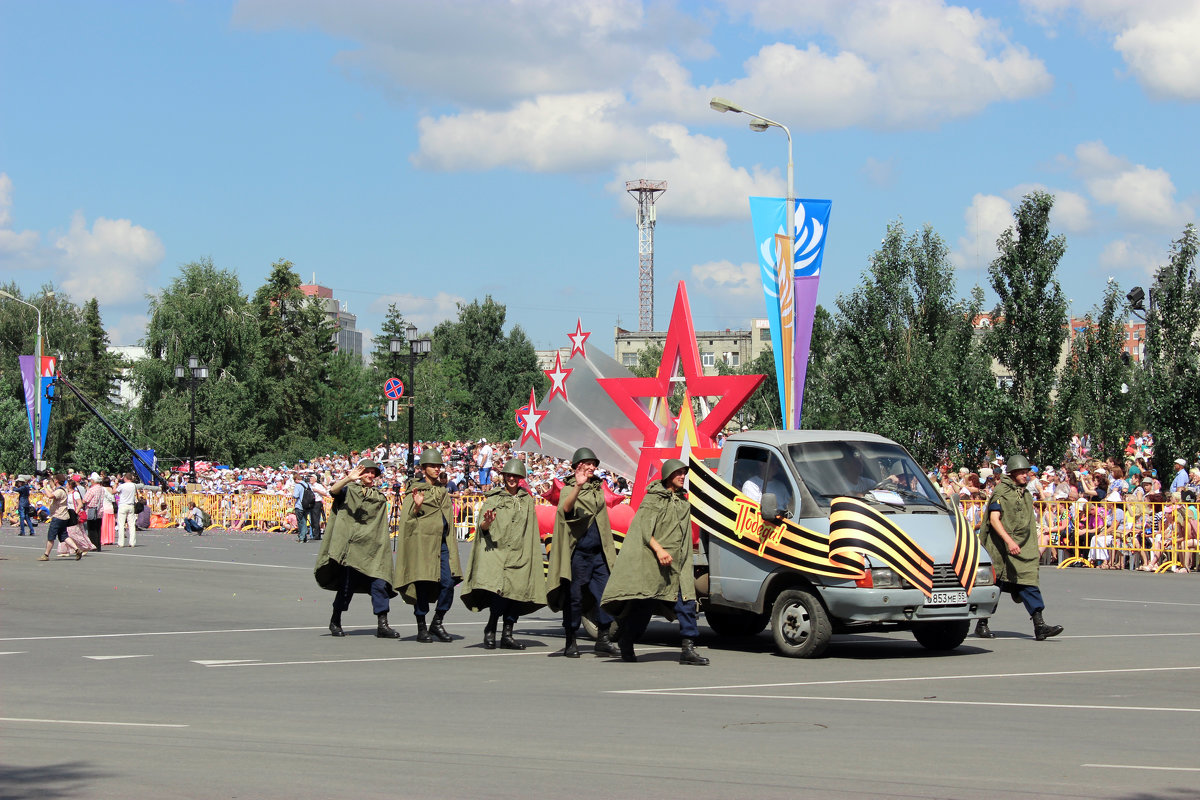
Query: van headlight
(884, 578)
(985, 575)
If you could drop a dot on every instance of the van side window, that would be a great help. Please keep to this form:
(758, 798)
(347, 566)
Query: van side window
(756, 471)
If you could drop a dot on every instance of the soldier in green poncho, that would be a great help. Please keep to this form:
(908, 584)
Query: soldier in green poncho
(355, 554)
(654, 574)
(427, 563)
(582, 553)
(1010, 535)
(504, 572)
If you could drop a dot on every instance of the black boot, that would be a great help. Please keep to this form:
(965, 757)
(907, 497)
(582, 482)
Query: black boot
(689, 655)
(438, 631)
(1042, 631)
(625, 640)
(604, 642)
(423, 632)
(982, 630)
(572, 649)
(383, 630)
(335, 624)
(507, 642)
(489, 634)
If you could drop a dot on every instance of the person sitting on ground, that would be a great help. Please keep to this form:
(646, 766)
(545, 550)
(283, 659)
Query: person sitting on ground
(193, 521)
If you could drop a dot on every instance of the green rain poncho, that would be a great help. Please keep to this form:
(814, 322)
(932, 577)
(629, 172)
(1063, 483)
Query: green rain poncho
(356, 536)
(665, 515)
(569, 529)
(419, 556)
(1016, 514)
(506, 560)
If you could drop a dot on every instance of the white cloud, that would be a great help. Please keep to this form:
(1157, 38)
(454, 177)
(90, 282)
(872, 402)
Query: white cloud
(424, 312)
(110, 262)
(1156, 39)
(986, 218)
(1141, 195)
(550, 133)
(1071, 211)
(881, 173)
(727, 280)
(13, 244)
(893, 63)
(703, 184)
(1134, 254)
(127, 329)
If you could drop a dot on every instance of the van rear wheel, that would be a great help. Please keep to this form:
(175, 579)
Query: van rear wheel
(800, 625)
(941, 635)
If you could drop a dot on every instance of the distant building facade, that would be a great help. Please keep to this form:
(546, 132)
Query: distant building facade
(736, 348)
(347, 338)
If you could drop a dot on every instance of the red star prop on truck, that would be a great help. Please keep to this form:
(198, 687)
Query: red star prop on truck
(558, 379)
(578, 338)
(532, 418)
(645, 400)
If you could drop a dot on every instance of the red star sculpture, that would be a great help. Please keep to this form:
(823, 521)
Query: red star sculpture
(578, 338)
(681, 358)
(533, 418)
(558, 379)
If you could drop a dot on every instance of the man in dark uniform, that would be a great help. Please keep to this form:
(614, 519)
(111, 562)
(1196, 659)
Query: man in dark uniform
(582, 553)
(427, 563)
(356, 555)
(1010, 535)
(654, 574)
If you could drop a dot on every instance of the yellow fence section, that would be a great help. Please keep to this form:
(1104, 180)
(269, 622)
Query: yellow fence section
(1158, 537)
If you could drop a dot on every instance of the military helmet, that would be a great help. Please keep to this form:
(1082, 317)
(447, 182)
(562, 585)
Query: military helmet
(431, 455)
(583, 454)
(368, 463)
(514, 466)
(1018, 462)
(671, 466)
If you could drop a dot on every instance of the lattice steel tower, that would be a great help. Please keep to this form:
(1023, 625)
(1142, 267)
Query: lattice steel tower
(645, 192)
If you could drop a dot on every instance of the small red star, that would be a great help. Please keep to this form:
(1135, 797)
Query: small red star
(558, 379)
(533, 418)
(578, 338)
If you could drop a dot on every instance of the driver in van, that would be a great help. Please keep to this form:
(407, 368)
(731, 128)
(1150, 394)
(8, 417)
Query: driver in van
(851, 467)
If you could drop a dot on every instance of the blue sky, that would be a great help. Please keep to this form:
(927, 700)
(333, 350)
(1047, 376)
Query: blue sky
(426, 153)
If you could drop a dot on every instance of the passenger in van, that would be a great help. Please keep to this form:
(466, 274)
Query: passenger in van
(776, 483)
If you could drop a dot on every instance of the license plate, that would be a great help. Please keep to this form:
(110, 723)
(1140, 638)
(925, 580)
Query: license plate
(947, 599)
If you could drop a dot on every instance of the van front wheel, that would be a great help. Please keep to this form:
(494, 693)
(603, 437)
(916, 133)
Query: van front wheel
(941, 635)
(800, 624)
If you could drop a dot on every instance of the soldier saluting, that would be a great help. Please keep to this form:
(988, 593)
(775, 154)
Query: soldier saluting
(427, 565)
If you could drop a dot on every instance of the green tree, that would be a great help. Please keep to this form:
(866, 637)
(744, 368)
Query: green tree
(1172, 358)
(203, 312)
(497, 370)
(1096, 386)
(16, 453)
(1029, 328)
(902, 361)
(394, 326)
(97, 449)
(439, 392)
(821, 407)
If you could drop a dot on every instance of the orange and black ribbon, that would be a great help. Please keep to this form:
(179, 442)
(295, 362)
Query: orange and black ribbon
(856, 527)
(966, 549)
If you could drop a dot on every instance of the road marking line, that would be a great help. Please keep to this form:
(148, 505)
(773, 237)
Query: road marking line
(241, 630)
(13, 652)
(681, 689)
(1140, 766)
(179, 558)
(544, 653)
(221, 662)
(205, 547)
(1170, 709)
(92, 722)
(113, 658)
(1139, 602)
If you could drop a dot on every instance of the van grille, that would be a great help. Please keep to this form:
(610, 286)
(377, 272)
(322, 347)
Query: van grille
(943, 578)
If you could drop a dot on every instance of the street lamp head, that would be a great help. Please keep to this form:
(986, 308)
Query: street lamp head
(201, 373)
(410, 331)
(180, 372)
(193, 362)
(723, 105)
(1136, 298)
(6, 294)
(394, 344)
(759, 125)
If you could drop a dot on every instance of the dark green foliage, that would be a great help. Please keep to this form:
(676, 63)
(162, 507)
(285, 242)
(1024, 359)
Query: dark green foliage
(1029, 327)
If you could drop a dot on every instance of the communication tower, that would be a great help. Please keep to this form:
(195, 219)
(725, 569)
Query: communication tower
(645, 192)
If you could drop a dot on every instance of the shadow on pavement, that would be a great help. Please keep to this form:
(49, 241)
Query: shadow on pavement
(68, 779)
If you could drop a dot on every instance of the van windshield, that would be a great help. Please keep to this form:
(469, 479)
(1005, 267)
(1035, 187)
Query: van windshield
(852, 469)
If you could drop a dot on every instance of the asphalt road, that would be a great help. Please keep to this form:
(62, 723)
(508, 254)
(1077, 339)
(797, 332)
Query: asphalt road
(201, 667)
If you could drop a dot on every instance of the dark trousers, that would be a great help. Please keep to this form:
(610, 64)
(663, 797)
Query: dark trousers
(191, 526)
(93, 530)
(588, 571)
(1031, 596)
(314, 520)
(640, 611)
(503, 607)
(25, 515)
(444, 589)
(353, 579)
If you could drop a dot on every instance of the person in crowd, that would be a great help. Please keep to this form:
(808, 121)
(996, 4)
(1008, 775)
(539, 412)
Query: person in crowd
(1009, 533)
(427, 564)
(1181, 476)
(93, 503)
(582, 553)
(504, 571)
(126, 515)
(24, 508)
(316, 517)
(653, 573)
(193, 520)
(56, 531)
(356, 554)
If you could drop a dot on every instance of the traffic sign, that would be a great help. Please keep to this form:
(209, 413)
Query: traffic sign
(521, 412)
(393, 389)
(391, 410)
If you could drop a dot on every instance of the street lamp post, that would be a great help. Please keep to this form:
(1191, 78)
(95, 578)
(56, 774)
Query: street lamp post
(193, 373)
(760, 123)
(394, 345)
(416, 347)
(37, 372)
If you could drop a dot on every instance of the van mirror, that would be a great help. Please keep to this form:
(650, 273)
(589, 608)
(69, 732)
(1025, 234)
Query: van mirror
(769, 507)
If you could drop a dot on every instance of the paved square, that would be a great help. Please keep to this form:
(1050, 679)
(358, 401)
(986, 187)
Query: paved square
(201, 667)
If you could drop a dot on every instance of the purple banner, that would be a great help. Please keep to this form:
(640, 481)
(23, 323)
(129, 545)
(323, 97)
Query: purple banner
(30, 381)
